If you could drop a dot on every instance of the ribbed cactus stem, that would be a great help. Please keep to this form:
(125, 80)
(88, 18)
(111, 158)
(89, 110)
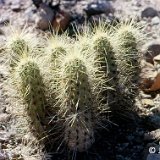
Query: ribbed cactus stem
(19, 46)
(128, 61)
(104, 55)
(32, 89)
(55, 53)
(106, 64)
(77, 105)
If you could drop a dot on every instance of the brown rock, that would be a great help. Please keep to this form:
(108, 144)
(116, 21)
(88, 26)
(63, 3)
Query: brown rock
(44, 17)
(147, 75)
(156, 84)
(150, 50)
(61, 21)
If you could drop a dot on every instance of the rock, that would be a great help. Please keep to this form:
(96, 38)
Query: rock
(30, 14)
(156, 84)
(147, 75)
(150, 50)
(4, 20)
(154, 121)
(2, 2)
(157, 59)
(44, 17)
(2, 156)
(155, 21)
(148, 102)
(149, 12)
(4, 117)
(153, 157)
(98, 8)
(37, 3)
(156, 110)
(4, 136)
(61, 21)
(153, 135)
(16, 5)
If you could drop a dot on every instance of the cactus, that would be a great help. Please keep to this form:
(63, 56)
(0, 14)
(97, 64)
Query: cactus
(76, 101)
(30, 83)
(18, 42)
(56, 46)
(126, 39)
(105, 62)
(104, 50)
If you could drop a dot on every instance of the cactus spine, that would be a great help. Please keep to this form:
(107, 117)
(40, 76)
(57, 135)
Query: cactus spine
(31, 86)
(76, 103)
(18, 42)
(105, 62)
(127, 55)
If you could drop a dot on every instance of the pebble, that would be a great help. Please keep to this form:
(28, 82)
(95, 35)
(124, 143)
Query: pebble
(4, 136)
(4, 117)
(147, 102)
(154, 121)
(4, 20)
(151, 49)
(99, 7)
(44, 17)
(153, 157)
(149, 12)
(155, 21)
(2, 156)
(153, 135)
(16, 5)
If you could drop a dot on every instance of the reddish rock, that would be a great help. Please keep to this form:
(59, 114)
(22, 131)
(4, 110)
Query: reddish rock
(61, 21)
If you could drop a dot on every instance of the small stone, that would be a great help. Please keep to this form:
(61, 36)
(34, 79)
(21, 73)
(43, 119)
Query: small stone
(4, 137)
(44, 17)
(61, 21)
(153, 135)
(37, 3)
(155, 21)
(2, 156)
(16, 7)
(2, 2)
(4, 117)
(147, 102)
(149, 12)
(4, 20)
(150, 50)
(156, 111)
(98, 8)
(145, 96)
(30, 14)
(153, 157)
(154, 121)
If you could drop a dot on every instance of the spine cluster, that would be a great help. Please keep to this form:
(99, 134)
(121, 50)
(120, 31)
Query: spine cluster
(83, 77)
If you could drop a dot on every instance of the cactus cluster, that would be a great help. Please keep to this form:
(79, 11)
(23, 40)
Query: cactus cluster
(83, 75)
